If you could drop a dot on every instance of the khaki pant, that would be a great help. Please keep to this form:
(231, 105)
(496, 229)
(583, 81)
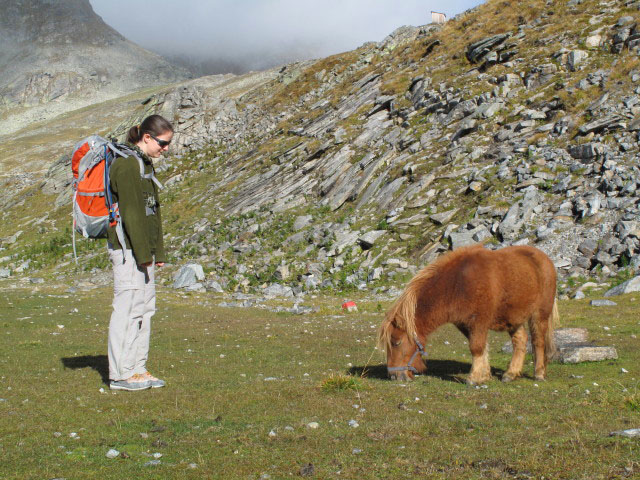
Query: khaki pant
(134, 303)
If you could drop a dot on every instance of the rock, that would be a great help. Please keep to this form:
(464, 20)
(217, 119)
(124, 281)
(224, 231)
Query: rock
(277, 290)
(313, 425)
(477, 51)
(112, 453)
(573, 347)
(588, 247)
(629, 286)
(282, 273)
(463, 239)
(307, 470)
(368, 240)
(188, 276)
(540, 75)
(588, 354)
(602, 303)
(344, 238)
(375, 274)
(13, 238)
(469, 237)
(475, 186)
(629, 433)
(519, 214)
(586, 151)
(611, 122)
(301, 222)
(444, 217)
(593, 41)
(214, 286)
(563, 338)
(579, 295)
(466, 127)
(5, 273)
(575, 58)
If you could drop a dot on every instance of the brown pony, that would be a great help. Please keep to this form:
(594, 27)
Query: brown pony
(477, 290)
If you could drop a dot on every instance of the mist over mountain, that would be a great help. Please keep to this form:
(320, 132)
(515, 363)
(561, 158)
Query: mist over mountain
(222, 36)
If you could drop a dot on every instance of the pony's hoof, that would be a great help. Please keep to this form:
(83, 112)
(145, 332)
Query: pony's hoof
(473, 382)
(540, 378)
(508, 377)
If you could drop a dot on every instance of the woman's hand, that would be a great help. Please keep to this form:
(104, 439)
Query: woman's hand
(148, 264)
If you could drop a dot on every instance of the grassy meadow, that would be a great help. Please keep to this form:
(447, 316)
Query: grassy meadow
(245, 387)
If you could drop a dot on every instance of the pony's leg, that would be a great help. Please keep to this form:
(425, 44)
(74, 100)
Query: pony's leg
(480, 369)
(538, 335)
(519, 341)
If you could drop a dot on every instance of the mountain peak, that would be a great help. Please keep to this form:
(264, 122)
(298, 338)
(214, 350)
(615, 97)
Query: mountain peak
(52, 50)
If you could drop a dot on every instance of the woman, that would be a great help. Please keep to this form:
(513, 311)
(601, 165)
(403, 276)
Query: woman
(134, 299)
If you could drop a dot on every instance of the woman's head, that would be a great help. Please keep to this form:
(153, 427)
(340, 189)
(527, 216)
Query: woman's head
(152, 136)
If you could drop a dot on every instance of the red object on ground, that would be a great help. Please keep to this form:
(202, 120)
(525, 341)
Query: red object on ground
(347, 305)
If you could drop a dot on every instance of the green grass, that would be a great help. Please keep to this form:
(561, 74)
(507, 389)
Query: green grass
(235, 375)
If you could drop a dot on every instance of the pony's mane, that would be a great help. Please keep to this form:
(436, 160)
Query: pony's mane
(402, 313)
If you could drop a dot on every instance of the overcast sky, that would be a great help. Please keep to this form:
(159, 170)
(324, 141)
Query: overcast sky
(257, 34)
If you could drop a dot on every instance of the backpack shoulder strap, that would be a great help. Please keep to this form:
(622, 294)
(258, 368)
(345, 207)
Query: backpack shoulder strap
(124, 151)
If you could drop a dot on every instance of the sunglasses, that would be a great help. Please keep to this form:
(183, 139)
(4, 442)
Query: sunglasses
(161, 143)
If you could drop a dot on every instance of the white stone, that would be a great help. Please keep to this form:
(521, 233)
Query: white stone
(593, 41)
(112, 453)
(630, 433)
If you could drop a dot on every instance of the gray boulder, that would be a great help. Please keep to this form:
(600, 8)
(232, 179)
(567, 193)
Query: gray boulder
(585, 353)
(573, 347)
(602, 303)
(276, 290)
(586, 151)
(629, 286)
(479, 50)
(188, 276)
(575, 58)
(444, 217)
(369, 239)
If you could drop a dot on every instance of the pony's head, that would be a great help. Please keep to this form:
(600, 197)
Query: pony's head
(398, 337)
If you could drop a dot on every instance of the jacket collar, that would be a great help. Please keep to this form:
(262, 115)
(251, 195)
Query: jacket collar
(142, 155)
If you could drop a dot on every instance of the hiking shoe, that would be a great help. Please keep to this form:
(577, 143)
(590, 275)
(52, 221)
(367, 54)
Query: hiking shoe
(155, 382)
(133, 383)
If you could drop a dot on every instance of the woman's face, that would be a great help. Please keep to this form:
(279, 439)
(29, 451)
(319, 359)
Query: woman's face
(155, 146)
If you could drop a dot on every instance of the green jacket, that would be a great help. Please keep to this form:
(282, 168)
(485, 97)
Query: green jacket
(139, 207)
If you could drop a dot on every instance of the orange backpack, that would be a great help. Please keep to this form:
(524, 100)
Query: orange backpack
(93, 207)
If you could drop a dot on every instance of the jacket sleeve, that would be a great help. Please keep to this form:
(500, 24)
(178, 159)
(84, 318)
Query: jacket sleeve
(161, 255)
(132, 208)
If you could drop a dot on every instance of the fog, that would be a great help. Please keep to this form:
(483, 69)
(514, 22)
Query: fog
(240, 35)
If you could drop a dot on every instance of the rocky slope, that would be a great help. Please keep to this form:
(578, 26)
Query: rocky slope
(512, 124)
(57, 56)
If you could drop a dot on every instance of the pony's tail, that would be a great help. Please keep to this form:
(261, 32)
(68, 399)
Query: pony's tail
(549, 339)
